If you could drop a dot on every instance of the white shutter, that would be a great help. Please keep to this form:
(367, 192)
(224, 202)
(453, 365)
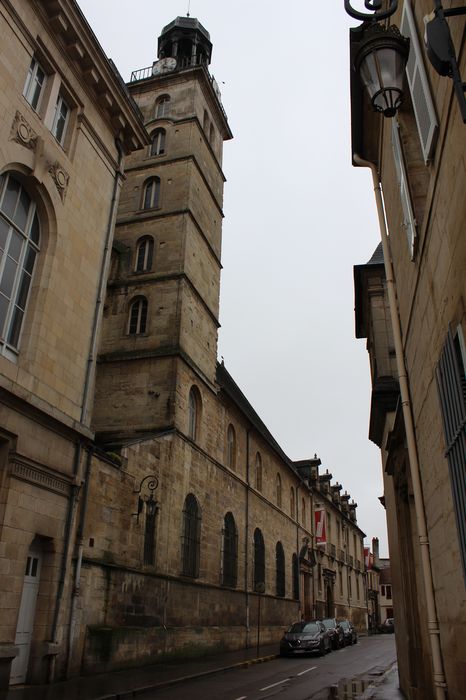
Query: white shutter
(409, 222)
(423, 105)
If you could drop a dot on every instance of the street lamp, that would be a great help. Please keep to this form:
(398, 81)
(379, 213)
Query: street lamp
(150, 482)
(380, 61)
(379, 56)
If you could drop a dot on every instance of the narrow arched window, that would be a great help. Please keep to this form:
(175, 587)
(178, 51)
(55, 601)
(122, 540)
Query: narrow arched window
(212, 135)
(258, 472)
(152, 193)
(194, 411)
(230, 552)
(19, 246)
(279, 490)
(205, 123)
(137, 316)
(259, 558)
(303, 513)
(295, 575)
(162, 106)
(144, 254)
(157, 145)
(231, 447)
(292, 506)
(280, 569)
(191, 537)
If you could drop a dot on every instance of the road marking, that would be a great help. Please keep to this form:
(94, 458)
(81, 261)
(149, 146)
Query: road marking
(243, 697)
(267, 687)
(306, 671)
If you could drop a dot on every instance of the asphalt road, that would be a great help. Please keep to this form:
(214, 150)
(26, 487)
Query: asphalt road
(342, 674)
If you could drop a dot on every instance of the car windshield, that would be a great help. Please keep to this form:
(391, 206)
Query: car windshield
(329, 623)
(344, 624)
(304, 628)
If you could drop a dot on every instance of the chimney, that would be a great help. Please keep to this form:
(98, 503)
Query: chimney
(375, 550)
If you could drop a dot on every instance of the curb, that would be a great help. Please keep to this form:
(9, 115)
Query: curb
(127, 695)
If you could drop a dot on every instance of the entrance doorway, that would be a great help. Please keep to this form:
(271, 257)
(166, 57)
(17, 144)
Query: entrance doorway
(26, 616)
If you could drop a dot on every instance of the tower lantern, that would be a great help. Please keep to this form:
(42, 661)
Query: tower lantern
(187, 41)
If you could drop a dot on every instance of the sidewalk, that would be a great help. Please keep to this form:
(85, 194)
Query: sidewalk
(123, 685)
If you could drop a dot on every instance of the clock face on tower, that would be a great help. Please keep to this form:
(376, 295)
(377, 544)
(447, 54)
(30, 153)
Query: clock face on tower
(165, 65)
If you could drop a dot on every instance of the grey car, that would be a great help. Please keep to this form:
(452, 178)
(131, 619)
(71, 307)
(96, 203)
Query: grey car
(349, 633)
(305, 637)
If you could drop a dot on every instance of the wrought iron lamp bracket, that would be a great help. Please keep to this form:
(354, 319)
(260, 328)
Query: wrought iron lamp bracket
(152, 483)
(376, 13)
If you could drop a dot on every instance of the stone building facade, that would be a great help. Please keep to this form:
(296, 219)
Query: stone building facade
(145, 509)
(419, 343)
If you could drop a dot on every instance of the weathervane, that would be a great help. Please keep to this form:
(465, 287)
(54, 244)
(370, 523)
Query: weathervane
(375, 6)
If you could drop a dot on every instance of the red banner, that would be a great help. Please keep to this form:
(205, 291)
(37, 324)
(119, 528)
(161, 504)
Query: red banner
(321, 529)
(368, 558)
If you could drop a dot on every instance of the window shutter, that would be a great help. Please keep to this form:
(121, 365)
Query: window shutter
(423, 105)
(409, 222)
(451, 372)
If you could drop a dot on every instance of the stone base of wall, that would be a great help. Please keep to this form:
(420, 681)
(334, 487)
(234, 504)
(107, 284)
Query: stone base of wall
(113, 648)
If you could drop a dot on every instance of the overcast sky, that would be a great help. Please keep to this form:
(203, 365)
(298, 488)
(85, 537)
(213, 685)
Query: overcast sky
(298, 216)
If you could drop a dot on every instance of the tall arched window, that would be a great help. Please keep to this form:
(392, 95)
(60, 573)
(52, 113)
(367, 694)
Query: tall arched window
(230, 552)
(292, 505)
(258, 472)
(152, 193)
(280, 569)
(162, 106)
(295, 575)
(144, 254)
(157, 145)
(151, 199)
(279, 490)
(194, 412)
(191, 537)
(259, 558)
(137, 316)
(231, 447)
(19, 246)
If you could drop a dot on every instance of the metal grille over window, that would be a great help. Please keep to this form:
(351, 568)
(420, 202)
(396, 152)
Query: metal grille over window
(230, 552)
(280, 569)
(451, 382)
(191, 537)
(423, 105)
(19, 245)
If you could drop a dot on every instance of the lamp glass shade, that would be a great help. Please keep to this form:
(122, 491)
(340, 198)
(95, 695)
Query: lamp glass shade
(151, 505)
(381, 61)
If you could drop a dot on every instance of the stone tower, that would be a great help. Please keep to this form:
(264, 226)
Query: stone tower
(160, 324)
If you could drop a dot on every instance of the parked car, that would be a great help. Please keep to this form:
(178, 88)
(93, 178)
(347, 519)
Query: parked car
(349, 632)
(336, 632)
(304, 638)
(387, 626)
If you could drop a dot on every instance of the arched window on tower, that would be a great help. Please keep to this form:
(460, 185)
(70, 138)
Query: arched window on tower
(279, 490)
(230, 552)
(137, 321)
(280, 569)
(152, 193)
(162, 106)
(259, 558)
(19, 247)
(194, 412)
(231, 447)
(157, 144)
(144, 254)
(258, 472)
(292, 505)
(191, 537)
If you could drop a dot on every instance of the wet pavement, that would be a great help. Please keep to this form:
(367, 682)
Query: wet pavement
(380, 684)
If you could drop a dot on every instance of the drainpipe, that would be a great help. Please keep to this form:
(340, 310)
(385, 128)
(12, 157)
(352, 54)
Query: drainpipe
(246, 568)
(64, 560)
(91, 361)
(77, 575)
(297, 552)
(432, 619)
